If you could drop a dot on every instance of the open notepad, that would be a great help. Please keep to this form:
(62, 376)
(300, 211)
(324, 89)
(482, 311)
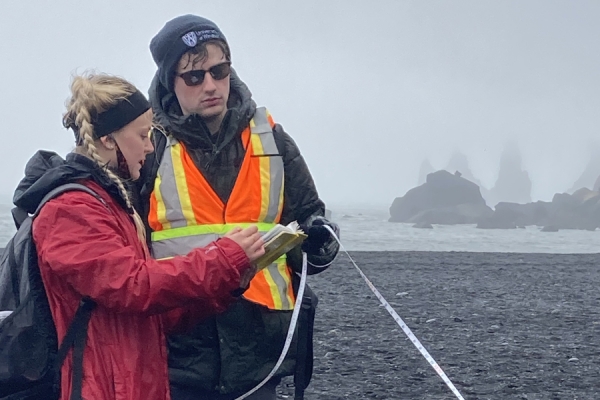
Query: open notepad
(279, 240)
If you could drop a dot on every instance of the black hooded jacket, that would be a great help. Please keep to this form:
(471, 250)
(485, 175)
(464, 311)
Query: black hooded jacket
(232, 352)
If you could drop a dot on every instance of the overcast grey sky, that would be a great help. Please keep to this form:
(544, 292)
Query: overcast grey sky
(368, 89)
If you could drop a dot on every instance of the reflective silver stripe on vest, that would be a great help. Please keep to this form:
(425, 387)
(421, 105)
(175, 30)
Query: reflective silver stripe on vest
(261, 124)
(265, 133)
(281, 285)
(170, 194)
(168, 188)
(181, 245)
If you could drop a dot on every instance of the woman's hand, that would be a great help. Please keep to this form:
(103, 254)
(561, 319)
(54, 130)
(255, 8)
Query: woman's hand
(250, 240)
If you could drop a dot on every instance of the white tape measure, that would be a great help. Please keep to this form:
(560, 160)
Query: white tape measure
(382, 300)
(290, 333)
(401, 323)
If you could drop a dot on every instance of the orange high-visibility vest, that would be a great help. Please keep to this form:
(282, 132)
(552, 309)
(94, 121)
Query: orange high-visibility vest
(185, 212)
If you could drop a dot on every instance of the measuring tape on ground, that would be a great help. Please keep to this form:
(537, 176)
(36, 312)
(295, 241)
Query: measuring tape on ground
(381, 299)
(400, 322)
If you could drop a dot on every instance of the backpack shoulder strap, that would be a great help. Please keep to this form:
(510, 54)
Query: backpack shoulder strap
(20, 215)
(76, 335)
(69, 187)
(75, 338)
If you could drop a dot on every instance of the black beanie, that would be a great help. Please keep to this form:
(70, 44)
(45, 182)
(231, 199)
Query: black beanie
(177, 37)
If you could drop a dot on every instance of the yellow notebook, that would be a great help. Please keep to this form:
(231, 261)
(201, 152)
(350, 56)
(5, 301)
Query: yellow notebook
(279, 240)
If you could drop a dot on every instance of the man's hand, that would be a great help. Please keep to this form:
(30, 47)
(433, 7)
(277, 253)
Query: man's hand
(319, 240)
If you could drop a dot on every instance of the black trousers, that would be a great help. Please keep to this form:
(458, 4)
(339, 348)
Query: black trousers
(267, 392)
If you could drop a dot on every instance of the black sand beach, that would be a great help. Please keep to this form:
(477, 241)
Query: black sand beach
(502, 326)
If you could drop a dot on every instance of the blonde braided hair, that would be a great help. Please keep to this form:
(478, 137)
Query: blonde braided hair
(94, 94)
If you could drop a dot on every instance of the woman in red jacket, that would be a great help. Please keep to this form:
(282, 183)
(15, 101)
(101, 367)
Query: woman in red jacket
(97, 250)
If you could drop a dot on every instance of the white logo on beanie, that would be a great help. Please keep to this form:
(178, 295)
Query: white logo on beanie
(192, 38)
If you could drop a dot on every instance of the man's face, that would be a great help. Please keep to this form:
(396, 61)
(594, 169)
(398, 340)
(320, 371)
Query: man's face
(208, 99)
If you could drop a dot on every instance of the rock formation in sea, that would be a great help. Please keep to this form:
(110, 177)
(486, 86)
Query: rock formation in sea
(590, 177)
(444, 198)
(459, 162)
(425, 169)
(580, 210)
(513, 183)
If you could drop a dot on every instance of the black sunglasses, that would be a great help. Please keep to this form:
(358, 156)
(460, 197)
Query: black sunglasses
(196, 77)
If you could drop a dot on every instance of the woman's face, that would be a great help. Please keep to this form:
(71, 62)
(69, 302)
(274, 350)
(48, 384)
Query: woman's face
(134, 142)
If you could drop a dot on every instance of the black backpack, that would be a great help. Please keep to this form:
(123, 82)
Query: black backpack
(30, 358)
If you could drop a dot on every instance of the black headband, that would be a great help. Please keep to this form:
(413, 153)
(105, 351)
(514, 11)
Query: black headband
(119, 115)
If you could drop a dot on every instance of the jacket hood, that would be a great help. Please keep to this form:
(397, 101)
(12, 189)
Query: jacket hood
(46, 170)
(192, 129)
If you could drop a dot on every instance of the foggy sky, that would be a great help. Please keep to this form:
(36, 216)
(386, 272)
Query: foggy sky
(367, 89)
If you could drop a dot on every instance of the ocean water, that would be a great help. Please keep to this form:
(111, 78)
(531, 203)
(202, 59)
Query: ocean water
(367, 229)
(7, 226)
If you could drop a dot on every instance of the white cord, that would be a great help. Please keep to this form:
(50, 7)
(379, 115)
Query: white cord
(322, 266)
(290, 333)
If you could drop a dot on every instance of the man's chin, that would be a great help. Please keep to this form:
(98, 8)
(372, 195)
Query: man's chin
(211, 114)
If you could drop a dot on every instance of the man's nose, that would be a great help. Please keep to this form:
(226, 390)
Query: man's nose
(209, 83)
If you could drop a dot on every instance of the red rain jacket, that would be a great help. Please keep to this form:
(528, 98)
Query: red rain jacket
(88, 249)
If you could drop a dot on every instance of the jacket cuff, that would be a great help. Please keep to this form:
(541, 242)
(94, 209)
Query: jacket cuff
(235, 254)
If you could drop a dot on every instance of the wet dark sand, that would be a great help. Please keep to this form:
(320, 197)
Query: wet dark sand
(502, 326)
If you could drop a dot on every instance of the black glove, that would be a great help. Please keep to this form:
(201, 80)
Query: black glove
(320, 246)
